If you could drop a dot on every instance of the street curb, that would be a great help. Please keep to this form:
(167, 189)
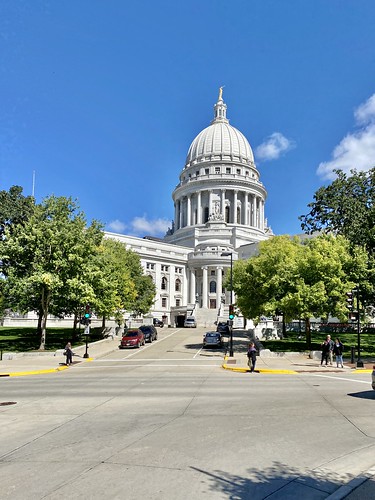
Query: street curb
(260, 370)
(40, 372)
(34, 372)
(352, 485)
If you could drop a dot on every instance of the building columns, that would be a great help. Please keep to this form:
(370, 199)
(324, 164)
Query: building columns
(188, 214)
(199, 208)
(219, 285)
(223, 203)
(204, 287)
(192, 286)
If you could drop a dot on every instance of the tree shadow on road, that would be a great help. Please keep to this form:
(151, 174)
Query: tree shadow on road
(277, 481)
(363, 395)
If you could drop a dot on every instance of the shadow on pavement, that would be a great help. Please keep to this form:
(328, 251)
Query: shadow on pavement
(279, 479)
(363, 395)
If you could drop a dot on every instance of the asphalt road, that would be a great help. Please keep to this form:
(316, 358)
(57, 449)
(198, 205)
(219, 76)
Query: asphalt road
(167, 422)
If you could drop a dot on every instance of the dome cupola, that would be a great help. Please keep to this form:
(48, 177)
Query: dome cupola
(220, 141)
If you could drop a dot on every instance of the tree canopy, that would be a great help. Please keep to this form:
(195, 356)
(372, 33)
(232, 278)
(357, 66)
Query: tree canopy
(45, 257)
(301, 279)
(15, 208)
(345, 207)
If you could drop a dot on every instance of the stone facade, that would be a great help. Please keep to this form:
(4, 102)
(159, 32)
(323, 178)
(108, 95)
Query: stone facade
(218, 217)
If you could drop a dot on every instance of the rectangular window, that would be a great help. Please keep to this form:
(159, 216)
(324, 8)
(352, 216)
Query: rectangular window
(178, 302)
(197, 173)
(163, 302)
(217, 170)
(150, 265)
(164, 268)
(227, 170)
(206, 171)
(238, 171)
(178, 270)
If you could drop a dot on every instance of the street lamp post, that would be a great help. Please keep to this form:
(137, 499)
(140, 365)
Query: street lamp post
(227, 254)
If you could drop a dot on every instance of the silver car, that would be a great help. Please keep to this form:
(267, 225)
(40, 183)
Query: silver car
(190, 322)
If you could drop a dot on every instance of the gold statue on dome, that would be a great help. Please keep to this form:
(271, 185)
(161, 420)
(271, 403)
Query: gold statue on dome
(221, 93)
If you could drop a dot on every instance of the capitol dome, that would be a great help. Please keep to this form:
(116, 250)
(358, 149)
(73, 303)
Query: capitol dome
(220, 141)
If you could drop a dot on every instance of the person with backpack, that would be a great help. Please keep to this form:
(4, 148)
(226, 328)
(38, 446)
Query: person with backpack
(252, 356)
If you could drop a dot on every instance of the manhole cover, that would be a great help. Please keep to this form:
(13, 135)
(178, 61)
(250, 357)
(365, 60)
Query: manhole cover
(6, 403)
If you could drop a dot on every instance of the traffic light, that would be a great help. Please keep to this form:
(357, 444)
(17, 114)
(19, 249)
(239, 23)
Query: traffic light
(353, 315)
(231, 311)
(349, 301)
(87, 312)
(86, 320)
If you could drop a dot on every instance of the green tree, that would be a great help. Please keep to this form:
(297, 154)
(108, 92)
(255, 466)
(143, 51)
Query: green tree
(15, 208)
(45, 257)
(112, 278)
(345, 207)
(303, 279)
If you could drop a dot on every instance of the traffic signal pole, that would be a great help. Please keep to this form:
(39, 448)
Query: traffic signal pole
(359, 360)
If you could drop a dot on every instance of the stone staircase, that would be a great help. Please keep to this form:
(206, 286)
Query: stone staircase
(206, 318)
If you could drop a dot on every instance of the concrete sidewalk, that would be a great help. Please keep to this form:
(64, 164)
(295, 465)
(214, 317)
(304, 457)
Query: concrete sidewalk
(283, 362)
(39, 362)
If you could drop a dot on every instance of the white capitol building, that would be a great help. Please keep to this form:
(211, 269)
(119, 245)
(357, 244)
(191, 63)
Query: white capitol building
(218, 208)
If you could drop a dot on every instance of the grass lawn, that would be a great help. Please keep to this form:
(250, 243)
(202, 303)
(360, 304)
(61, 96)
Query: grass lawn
(26, 339)
(291, 343)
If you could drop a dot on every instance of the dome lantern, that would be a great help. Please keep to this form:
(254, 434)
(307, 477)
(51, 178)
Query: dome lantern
(220, 109)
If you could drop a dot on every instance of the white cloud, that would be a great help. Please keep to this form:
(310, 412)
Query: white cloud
(117, 226)
(273, 147)
(155, 227)
(357, 149)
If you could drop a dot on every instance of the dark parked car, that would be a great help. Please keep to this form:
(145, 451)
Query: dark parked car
(158, 322)
(212, 339)
(133, 338)
(149, 332)
(223, 328)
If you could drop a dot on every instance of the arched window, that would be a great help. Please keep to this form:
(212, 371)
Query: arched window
(212, 286)
(206, 214)
(227, 212)
(178, 285)
(164, 283)
(238, 215)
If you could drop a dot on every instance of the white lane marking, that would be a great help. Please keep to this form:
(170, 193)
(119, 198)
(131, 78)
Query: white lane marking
(343, 378)
(200, 350)
(151, 359)
(149, 345)
(166, 365)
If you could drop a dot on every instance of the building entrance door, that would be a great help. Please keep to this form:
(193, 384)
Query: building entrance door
(212, 303)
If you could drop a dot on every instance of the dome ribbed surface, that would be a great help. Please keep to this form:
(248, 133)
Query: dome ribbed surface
(220, 141)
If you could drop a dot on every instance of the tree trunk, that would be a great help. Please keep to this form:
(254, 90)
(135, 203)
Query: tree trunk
(75, 323)
(44, 308)
(103, 321)
(40, 316)
(308, 333)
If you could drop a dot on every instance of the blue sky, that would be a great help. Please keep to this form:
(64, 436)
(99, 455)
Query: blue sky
(103, 98)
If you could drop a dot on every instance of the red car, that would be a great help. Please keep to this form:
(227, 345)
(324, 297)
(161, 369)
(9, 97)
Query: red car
(132, 338)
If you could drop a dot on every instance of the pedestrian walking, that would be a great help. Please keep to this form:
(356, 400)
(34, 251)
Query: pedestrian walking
(252, 356)
(337, 351)
(68, 353)
(325, 352)
(330, 350)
